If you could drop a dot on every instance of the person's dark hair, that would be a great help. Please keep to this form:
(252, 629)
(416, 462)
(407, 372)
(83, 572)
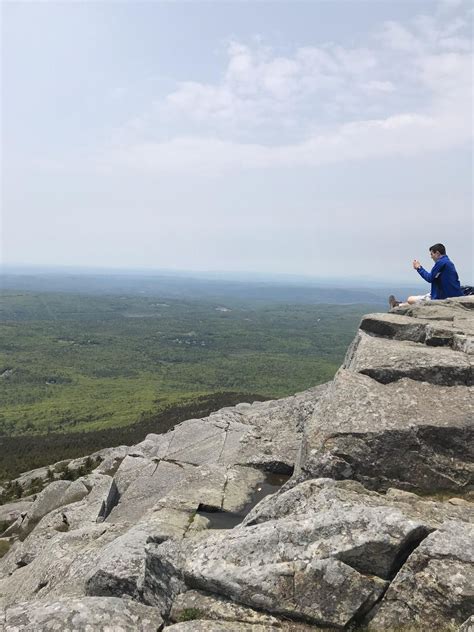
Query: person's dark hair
(438, 248)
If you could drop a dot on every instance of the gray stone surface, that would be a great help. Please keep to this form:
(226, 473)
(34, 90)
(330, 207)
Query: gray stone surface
(59, 568)
(406, 434)
(263, 434)
(432, 332)
(120, 566)
(9, 512)
(328, 566)
(56, 494)
(66, 527)
(449, 309)
(217, 487)
(320, 495)
(435, 587)
(389, 360)
(92, 614)
(325, 550)
(152, 482)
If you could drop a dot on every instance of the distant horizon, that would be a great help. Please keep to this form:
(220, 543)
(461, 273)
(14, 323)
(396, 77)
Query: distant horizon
(217, 275)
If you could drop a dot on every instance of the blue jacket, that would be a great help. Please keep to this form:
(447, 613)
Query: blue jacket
(443, 278)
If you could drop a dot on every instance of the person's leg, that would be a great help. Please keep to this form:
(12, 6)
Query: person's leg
(411, 300)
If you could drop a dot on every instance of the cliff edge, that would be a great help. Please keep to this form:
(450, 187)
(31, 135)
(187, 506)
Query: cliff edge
(349, 506)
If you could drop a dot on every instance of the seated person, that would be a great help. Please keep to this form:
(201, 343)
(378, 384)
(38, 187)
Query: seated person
(443, 278)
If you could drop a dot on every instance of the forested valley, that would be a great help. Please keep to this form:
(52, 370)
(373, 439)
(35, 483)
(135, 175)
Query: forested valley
(79, 372)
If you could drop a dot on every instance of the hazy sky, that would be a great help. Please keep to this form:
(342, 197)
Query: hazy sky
(319, 138)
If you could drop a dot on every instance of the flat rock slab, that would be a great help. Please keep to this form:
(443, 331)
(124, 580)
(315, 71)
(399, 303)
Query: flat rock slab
(216, 487)
(214, 608)
(406, 434)
(199, 441)
(388, 360)
(422, 330)
(80, 615)
(265, 435)
(434, 588)
(446, 309)
(150, 483)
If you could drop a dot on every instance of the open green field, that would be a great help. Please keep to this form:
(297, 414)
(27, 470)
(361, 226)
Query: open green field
(71, 363)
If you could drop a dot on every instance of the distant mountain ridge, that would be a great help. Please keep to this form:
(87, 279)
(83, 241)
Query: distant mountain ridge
(168, 286)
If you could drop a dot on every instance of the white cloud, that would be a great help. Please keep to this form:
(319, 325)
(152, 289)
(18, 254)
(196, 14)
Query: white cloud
(401, 135)
(409, 93)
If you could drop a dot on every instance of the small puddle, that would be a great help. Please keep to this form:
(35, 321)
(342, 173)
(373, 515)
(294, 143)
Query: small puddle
(219, 519)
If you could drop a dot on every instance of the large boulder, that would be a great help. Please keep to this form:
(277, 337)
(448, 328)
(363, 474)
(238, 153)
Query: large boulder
(434, 588)
(56, 494)
(58, 568)
(321, 550)
(119, 566)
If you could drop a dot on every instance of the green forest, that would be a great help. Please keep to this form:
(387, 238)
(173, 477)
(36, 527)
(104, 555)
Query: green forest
(108, 369)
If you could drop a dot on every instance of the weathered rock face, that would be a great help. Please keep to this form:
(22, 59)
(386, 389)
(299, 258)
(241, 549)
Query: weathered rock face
(93, 543)
(89, 613)
(324, 550)
(407, 434)
(435, 584)
(400, 412)
(374, 529)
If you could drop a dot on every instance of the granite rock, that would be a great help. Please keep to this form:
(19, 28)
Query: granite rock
(81, 615)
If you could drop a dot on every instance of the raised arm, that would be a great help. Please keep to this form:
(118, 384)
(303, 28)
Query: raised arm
(427, 276)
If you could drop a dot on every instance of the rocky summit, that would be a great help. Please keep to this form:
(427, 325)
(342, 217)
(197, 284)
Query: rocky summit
(349, 506)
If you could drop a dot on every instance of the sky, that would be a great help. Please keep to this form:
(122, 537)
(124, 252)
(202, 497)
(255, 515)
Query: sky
(327, 139)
